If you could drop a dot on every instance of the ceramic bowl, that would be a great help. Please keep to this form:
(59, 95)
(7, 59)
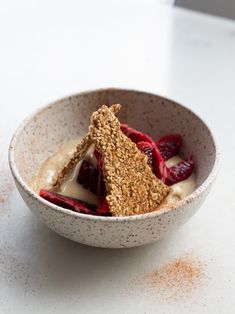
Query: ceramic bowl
(43, 132)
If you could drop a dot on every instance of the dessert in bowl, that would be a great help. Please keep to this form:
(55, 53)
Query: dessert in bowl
(141, 191)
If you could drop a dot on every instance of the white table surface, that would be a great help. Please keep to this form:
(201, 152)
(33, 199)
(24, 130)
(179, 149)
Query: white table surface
(54, 48)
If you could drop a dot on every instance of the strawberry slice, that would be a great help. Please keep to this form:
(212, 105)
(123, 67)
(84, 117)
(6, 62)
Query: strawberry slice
(68, 202)
(88, 177)
(147, 149)
(180, 171)
(160, 169)
(103, 207)
(169, 145)
(169, 176)
(134, 135)
(97, 154)
(155, 159)
(101, 186)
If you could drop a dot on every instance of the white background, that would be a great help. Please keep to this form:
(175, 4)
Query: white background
(50, 49)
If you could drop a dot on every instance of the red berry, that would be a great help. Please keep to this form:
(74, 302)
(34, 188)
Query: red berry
(68, 202)
(97, 154)
(155, 159)
(180, 171)
(169, 145)
(134, 135)
(100, 186)
(103, 207)
(88, 176)
(147, 149)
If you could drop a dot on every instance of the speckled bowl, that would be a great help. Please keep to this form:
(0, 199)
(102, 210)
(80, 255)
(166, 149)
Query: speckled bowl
(41, 134)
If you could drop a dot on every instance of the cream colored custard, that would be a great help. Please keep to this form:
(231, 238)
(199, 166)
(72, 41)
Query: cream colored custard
(70, 186)
(50, 167)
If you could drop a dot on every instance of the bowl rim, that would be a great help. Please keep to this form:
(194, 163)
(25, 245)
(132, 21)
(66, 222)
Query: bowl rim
(165, 209)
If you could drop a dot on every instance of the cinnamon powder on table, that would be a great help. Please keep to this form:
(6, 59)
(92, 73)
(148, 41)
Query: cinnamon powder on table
(6, 187)
(178, 279)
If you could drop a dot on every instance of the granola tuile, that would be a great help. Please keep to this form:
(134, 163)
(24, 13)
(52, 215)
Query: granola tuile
(131, 186)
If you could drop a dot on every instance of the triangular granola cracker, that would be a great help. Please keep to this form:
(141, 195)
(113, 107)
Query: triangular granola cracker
(131, 186)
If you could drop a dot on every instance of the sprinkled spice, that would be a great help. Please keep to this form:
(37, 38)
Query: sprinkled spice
(6, 187)
(177, 279)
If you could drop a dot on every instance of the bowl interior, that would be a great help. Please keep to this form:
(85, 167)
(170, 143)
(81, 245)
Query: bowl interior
(44, 132)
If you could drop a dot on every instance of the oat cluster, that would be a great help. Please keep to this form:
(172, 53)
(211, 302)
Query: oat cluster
(131, 186)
